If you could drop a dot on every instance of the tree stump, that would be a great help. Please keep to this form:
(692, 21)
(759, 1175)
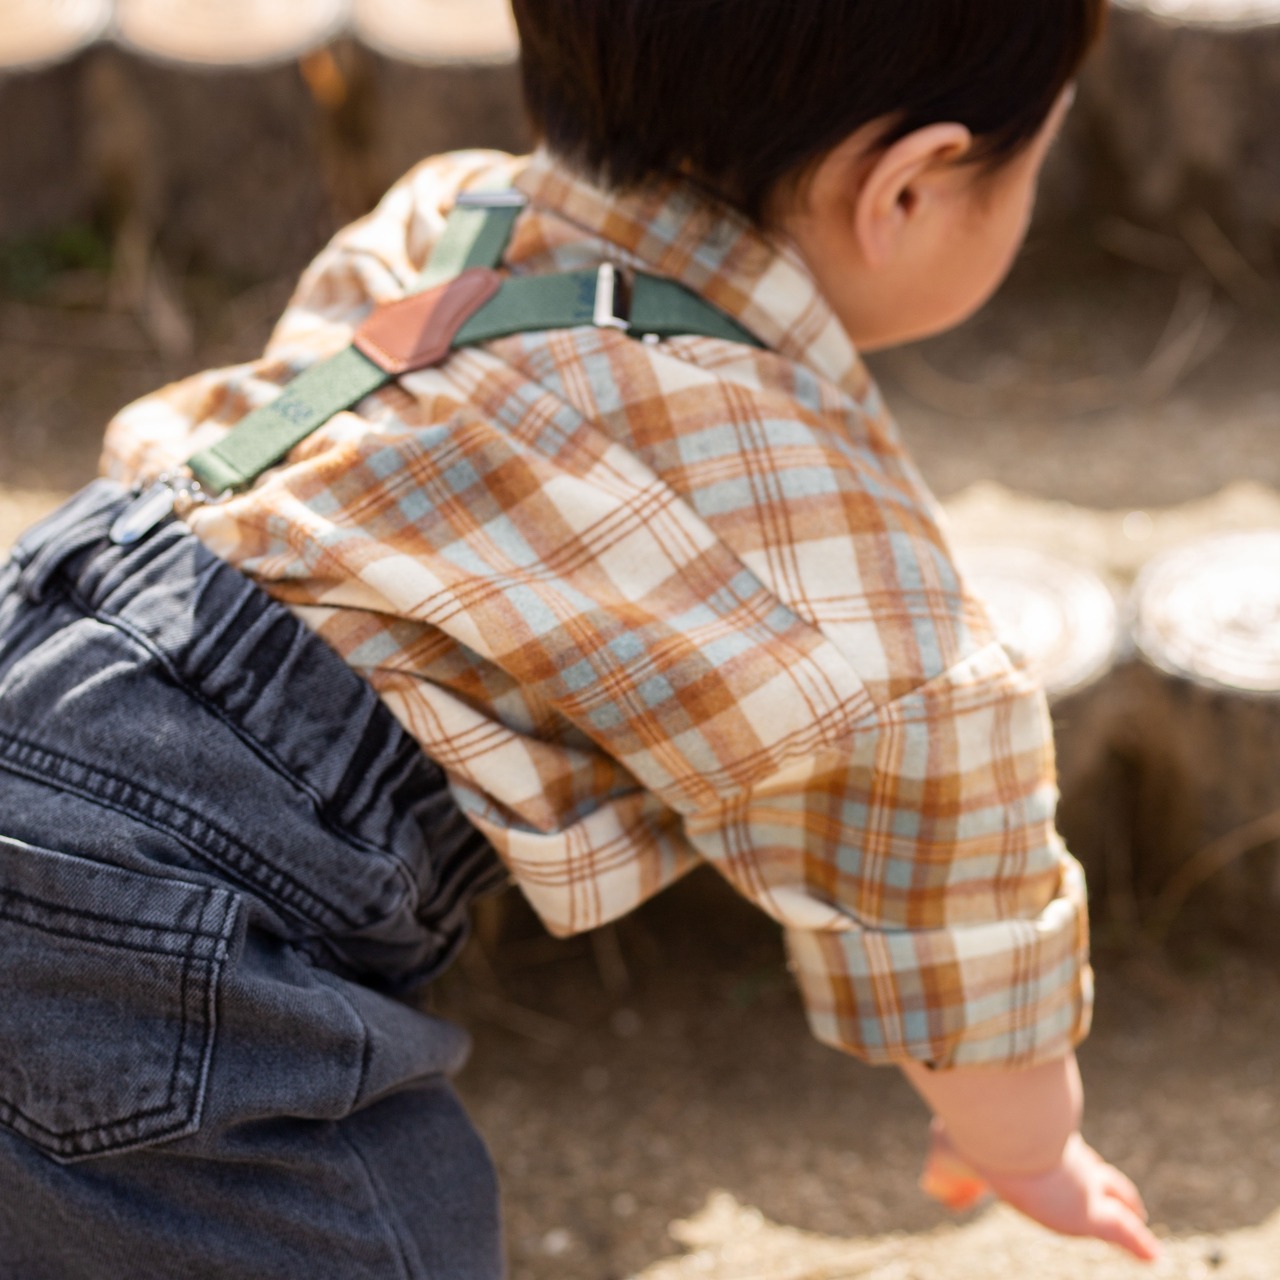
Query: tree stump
(223, 33)
(1174, 127)
(1062, 617)
(43, 181)
(38, 33)
(441, 74)
(436, 32)
(1207, 700)
(419, 113)
(234, 155)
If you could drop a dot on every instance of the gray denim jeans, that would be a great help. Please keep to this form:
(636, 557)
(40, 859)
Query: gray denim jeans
(226, 876)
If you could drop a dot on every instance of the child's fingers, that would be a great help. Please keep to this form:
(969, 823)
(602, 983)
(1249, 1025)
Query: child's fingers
(1117, 1224)
(1122, 1188)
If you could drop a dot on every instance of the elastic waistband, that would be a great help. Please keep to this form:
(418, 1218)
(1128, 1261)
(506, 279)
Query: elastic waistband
(251, 662)
(226, 639)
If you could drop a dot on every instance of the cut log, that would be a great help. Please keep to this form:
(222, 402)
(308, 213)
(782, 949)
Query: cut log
(1062, 618)
(252, 168)
(36, 33)
(1116, 545)
(421, 112)
(1175, 125)
(44, 181)
(1210, 614)
(438, 31)
(233, 159)
(1207, 698)
(228, 32)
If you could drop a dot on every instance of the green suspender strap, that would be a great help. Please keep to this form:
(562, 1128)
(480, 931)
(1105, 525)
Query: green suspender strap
(460, 300)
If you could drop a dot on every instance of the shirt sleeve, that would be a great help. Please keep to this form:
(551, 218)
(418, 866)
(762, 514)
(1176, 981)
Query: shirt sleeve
(932, 913)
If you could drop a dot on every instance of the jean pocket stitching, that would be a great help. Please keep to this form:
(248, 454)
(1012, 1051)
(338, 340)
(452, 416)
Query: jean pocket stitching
(206, 840)
(8, 1110)
(199, 954)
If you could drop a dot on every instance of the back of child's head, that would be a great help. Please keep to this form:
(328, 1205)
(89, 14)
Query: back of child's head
(743, 95)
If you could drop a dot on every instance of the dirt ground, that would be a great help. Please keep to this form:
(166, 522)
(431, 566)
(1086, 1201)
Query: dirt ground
(653, 1099)
(687, 1126)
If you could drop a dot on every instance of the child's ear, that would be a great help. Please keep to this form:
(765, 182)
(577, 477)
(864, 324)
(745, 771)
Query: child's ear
(901, 183)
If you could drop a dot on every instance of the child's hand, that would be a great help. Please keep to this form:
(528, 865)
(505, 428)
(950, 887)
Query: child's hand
(1082, 1196)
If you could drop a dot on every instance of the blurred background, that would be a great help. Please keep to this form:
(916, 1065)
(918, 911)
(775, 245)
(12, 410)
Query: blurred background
(1106, 437)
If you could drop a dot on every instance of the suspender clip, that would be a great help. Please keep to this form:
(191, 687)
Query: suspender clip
(175, 492)
(507, 198)
(611, 309)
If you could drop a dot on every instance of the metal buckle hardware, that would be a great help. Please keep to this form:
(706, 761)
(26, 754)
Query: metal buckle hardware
(175, 492)
(610, 310)
(508, 199)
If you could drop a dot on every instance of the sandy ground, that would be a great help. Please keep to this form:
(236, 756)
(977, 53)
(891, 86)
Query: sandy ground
(652, 1097)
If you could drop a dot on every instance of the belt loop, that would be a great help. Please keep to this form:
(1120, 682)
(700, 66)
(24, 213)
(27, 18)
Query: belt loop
(78, 524)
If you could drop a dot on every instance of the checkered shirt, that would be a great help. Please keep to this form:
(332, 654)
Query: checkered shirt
(657, 603)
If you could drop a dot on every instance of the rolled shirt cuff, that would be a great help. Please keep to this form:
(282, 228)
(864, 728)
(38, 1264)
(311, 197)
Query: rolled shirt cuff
(1011, 993)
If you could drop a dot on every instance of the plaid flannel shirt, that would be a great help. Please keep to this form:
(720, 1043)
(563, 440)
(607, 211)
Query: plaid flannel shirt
(651, 603)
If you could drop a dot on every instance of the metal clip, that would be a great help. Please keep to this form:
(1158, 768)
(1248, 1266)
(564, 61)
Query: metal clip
(608, 314)
(506, 199)
(175, 491)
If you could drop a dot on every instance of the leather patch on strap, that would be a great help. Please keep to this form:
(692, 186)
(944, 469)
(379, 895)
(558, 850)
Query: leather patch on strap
(418, 332)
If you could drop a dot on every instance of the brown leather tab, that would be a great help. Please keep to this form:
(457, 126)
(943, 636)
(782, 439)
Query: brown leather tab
(418, 332)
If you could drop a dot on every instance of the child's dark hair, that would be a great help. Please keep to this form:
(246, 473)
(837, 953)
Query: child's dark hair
(742, 95)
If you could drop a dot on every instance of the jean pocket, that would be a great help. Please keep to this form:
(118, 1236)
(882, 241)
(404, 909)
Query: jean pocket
(109, 981)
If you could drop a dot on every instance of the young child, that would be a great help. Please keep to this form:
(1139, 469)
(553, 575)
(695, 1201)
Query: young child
(608, 571)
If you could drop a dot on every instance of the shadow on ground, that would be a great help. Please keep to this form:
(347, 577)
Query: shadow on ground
(665, 1072)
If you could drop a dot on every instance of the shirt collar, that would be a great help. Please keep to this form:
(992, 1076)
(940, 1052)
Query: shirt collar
(673, 230)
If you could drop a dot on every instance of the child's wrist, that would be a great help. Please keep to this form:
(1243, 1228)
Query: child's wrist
(1013, 1123)
(1016, 1161)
